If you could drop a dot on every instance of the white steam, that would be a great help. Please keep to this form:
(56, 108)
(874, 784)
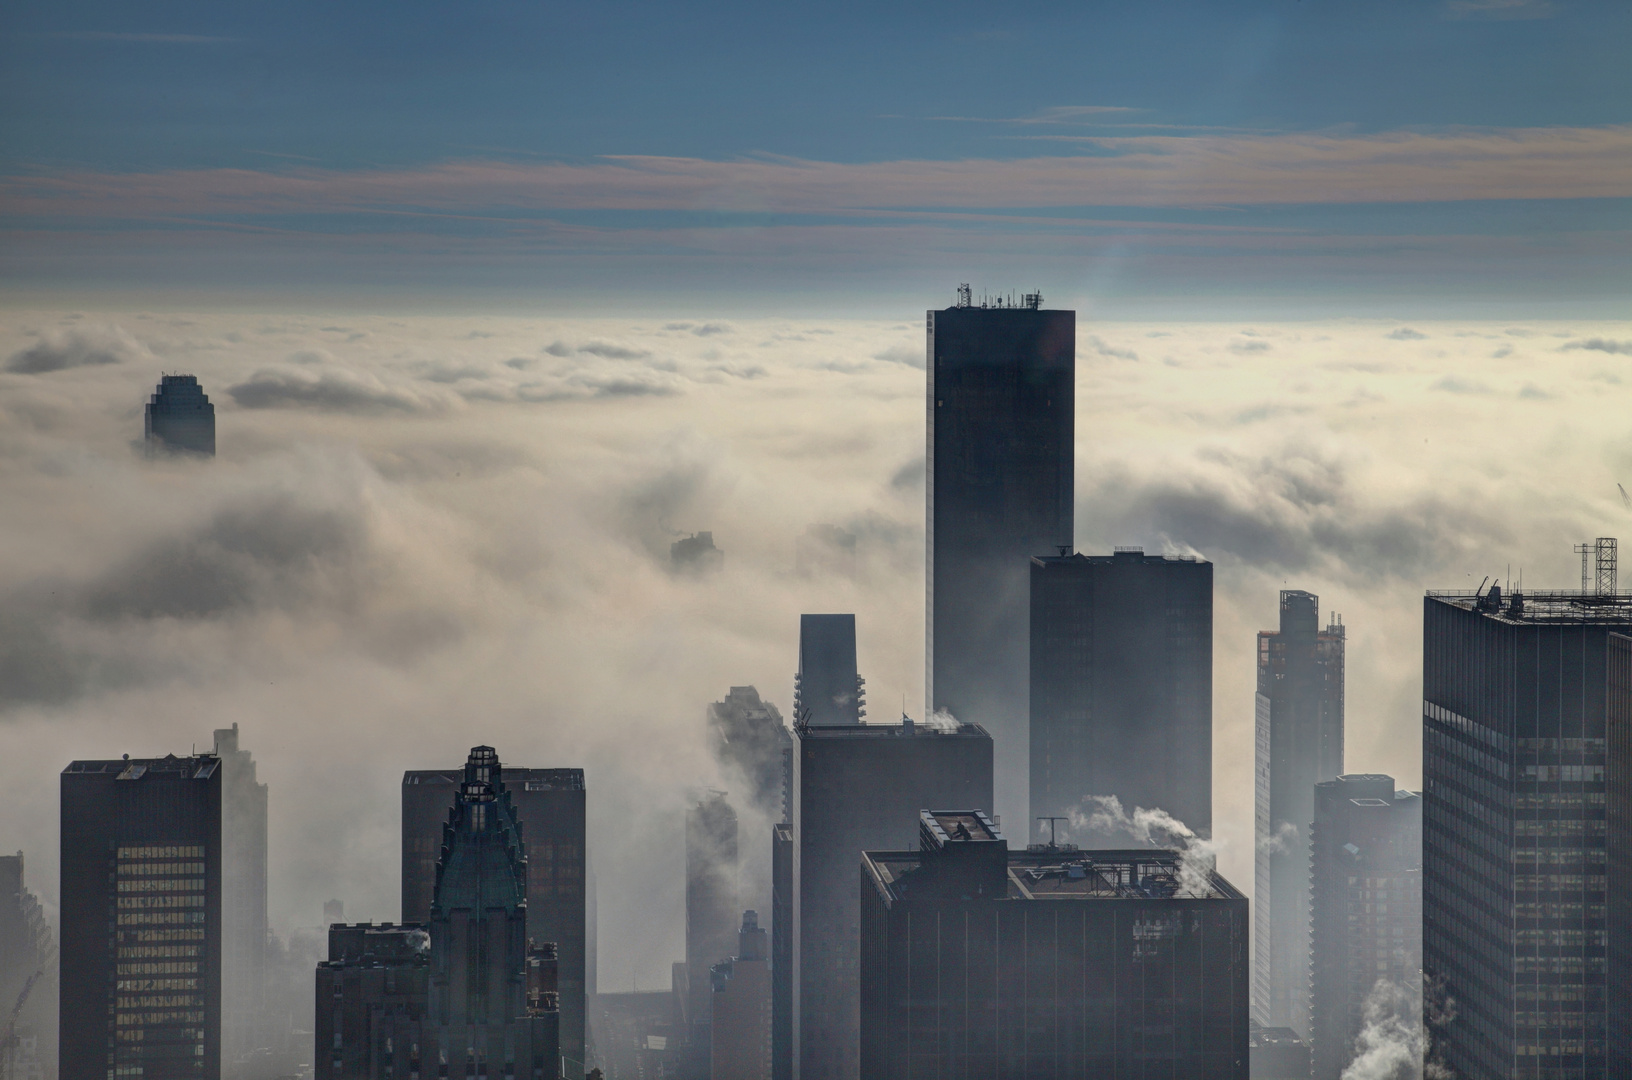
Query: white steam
(1391, 1045)
(1281, 841)
(942, 720)
(1198, 856)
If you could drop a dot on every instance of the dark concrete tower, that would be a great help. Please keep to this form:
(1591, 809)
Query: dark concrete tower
(1122, 684)
(859, 787)
(1527, 831)
(141, 919)
(712, 906)
(180, 417)
(1365, 912)
(243, 902)
(479, 1000)
(782, 951)
(827, 689)
(1299, 744)
(1001, 415)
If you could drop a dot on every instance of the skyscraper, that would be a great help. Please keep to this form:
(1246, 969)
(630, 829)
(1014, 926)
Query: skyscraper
(141, 919)
(981, 961)
(712, 906)
(486, 1020)
(782, 951)
(243, 904)
(1365, 912)
(827, 689)
(179, 417)
(1122, 683)
(28, 984)
(747, 734)
(372, 1002)
(1299, 744)
(550, 803)
(1526, 831)
(740, 1047)
(1001, 415)
(859, 787)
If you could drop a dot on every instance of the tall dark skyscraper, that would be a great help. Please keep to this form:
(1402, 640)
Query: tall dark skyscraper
(1049, 962)
(1365, 908)
(782, 951)
(1122, 683)
(486, 1020)
(1001, 416)
(179, 417)
(243, 904)
(859, 787)
(713, 906)
(550, 804)
(1299, 744)
(141, 919)
(1526, 831)
(827, 689)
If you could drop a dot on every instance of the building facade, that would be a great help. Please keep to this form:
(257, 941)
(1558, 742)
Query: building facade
(782, 951)
(179, 417)
(28, 982)
(747, 735)
(1122, 683)
(712, 907)
(1526, 758)
(1001, 420)
(1049, 962)
(244, 926)
(1365, 912)
(1299, 736)
(140, 959)
(372, 995)
(859, 787)
(740, 1048)
(550, 804)
(826, 688)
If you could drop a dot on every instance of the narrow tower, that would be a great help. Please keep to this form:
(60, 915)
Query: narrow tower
(180, 417)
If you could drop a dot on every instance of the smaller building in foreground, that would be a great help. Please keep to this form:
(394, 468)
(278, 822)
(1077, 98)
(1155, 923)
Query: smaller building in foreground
(1048, 962)
(741, 1045)
(371, 1001)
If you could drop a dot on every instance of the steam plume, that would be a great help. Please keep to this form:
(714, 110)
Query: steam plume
(1197, 855)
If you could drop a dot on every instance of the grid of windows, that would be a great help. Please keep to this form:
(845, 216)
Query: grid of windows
(156, 935)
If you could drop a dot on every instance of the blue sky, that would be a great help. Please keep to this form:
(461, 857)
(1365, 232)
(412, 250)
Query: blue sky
(219, 101)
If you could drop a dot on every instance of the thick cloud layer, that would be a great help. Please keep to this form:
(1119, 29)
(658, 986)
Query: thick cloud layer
(424, 533)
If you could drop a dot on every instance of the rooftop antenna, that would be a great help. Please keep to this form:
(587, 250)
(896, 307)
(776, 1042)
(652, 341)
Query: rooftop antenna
(1585, 551)
(965, 299)
(1606, 559)
(1051, 821)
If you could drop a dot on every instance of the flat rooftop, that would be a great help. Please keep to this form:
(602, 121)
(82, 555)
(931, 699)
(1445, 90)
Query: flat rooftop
(513, 777)
(1521, 608)
(198, 767)
(909, 730)
(1137, 874)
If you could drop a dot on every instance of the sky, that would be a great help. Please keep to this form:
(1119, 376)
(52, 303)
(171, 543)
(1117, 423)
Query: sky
(1285, 158)
(496, 301)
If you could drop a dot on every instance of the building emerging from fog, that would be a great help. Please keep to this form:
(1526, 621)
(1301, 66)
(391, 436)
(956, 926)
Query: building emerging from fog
(1001, 415)
(1365, 912)
(1122, 683)
(747, 734)
(741, 1007)
(826, 689)
(179, 417)
(243, 905)
(696, 554)
(1527, 831)
(1049, 962)
(27, 963)
(1299, 744)
(712, 908)
(859, 787)
(550, 804)
(141, 919)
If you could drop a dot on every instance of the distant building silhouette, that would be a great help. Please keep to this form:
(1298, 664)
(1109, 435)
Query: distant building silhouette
(748, 735)
(334, 911)
(1365, 910)
(1002, 400)
(825, 549)
(696, 554)
(244, 1020)
(782, 951)
(712, 909)
(372, 1000)
(28, 960)
(1527, 831)
(1277, 1053)
(550, 804)
(1122, 684)
(179, 417)
(141, 919)
(1299, 736)
(826, 689)
(859, 787)
(741, 1004)
(979, 961)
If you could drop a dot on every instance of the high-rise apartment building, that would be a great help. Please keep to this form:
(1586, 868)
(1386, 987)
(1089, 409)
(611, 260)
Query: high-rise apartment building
(550, 804)
(1122, 683)
(826, 689)
(484, 1000)
(179, 417)
(859, 787)
(740, 1046)
(1299, 744)
(782, 951)
(1049, 962)
(1001, 415)
(747, 735)
(141, 919)
(712, 906)
(1527, 831)
(243, 904)
(1365, 913)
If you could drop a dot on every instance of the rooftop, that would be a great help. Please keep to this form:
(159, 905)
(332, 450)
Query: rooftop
(1060, 874)
(198, 767)
(908, 728)
(1120, 555)
(513, 777)
(1522, 608)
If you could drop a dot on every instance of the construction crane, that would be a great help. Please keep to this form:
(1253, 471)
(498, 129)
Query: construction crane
(8, 1045)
